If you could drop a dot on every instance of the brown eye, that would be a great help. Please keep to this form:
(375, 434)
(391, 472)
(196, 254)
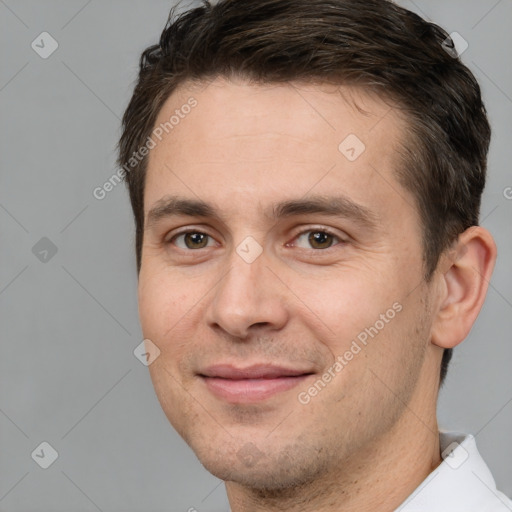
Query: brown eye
(192, 240)
(320, 239)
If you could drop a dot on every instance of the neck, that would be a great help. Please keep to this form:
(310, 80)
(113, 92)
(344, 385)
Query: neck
(379, 477)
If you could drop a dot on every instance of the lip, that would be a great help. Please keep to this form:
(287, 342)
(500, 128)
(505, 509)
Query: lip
(251, 384)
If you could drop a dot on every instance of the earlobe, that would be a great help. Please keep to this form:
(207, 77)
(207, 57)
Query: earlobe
(465, 271)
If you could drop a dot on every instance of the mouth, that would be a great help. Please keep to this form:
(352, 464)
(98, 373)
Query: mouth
(252, 384)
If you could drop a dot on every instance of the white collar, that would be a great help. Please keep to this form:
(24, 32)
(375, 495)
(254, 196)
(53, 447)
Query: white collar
(461, 483)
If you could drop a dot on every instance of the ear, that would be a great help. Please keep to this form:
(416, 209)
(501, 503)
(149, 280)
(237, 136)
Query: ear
(463, 273)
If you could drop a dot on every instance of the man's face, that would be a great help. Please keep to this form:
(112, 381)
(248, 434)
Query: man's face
(282, 298)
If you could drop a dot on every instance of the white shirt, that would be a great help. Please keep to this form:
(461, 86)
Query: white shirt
(461, 483)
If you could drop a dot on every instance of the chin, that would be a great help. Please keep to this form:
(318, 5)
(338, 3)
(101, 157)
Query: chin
(274, 469)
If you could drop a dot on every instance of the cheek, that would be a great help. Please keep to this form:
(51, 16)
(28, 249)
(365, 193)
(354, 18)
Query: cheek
(160, 306)
(344, 307)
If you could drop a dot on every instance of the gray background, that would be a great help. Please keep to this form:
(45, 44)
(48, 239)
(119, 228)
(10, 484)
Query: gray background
(69, 324)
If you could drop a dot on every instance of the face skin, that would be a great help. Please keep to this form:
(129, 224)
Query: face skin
(369, 436)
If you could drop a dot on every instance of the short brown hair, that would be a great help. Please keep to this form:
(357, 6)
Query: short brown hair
(374, 44)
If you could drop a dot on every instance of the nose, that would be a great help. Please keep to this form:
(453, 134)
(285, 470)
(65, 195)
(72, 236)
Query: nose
(249, 297)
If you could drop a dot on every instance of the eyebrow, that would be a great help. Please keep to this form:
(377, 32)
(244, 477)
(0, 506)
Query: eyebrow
(340, 206)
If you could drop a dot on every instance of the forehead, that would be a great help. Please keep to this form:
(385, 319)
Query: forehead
(237, 107)
(274, 140)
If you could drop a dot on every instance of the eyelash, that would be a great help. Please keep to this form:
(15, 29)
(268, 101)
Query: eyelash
(298, 235)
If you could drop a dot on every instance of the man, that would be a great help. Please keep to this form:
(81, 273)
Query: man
(306, 177)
